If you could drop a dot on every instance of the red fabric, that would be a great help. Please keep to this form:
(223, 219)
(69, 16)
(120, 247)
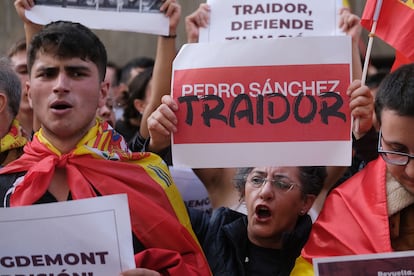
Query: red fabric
(354, 218)
(165, 261)
(400, 59)
(394, 26)
(153, 218)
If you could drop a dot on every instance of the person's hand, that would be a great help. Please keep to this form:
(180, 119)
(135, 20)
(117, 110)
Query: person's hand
(162, 123)
(172, 10)
(30, 28)
(140, 272)
(349, 23)
(200, 18)
(361, 105)
(21, 6)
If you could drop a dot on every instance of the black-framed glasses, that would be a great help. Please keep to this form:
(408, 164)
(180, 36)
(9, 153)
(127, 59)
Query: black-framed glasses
(279, 184)
(393, 157)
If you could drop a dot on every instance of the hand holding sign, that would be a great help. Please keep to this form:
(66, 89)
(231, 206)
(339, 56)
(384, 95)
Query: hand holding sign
(198, 19)
(162, 123)
(240, 20)
(362, 107)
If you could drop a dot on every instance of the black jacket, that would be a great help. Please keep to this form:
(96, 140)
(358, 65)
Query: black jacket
(223, 237)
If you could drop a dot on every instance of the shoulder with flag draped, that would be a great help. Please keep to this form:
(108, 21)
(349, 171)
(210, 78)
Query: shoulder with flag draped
(354, 220)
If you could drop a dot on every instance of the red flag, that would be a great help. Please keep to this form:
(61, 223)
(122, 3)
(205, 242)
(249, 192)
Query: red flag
(394, 26)
(400, 59)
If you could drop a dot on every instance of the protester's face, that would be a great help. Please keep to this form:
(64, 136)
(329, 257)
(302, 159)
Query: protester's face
(19, 63)
(398, 135)
(272, 210)
(65, 94)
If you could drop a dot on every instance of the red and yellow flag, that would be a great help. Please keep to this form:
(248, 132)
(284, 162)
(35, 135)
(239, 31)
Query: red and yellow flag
(13, 139)
(101, 164)
(394, 26)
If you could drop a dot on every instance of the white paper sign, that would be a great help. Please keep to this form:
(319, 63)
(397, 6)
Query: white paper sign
(191, 188)
(257, 19)
(263, 103)
(88, 237)
(142, 16)
(380, 264)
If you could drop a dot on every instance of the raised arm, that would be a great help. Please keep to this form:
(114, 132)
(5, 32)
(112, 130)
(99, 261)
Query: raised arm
(30, 28)
(162, 74)
(349, 23)
(200, 18)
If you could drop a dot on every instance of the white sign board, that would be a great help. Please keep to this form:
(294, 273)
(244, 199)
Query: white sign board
(258, 19)
(141, 16)
(380, 264)
(88, 237)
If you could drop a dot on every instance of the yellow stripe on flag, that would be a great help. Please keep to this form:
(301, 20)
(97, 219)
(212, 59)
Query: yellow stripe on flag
(408, 3)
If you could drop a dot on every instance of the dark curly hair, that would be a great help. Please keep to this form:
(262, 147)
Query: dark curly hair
(396, 92)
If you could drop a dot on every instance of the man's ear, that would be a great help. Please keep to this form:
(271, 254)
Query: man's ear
(103, 93)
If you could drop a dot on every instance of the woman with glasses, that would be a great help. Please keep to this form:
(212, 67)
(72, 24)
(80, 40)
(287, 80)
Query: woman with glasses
(269, 238)
(372, 212)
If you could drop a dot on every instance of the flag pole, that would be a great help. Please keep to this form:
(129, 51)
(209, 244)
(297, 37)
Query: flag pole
(370, 41)
(368, 54)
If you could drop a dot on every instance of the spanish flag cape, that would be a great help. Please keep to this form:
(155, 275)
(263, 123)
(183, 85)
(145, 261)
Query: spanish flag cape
(101, 161)
(353, 220)
(13, 139)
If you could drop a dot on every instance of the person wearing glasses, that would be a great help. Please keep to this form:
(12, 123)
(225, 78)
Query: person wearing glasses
(270, 237)
(372, 212)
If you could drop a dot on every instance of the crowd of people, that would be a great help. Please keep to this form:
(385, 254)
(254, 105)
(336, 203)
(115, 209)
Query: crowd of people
(70, 118)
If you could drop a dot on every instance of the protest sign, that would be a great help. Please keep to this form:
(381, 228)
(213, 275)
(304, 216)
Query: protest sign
(263, 102)
(247, 19)
(191, 188)
(88, 237)
(380, 264)
(141, 16)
